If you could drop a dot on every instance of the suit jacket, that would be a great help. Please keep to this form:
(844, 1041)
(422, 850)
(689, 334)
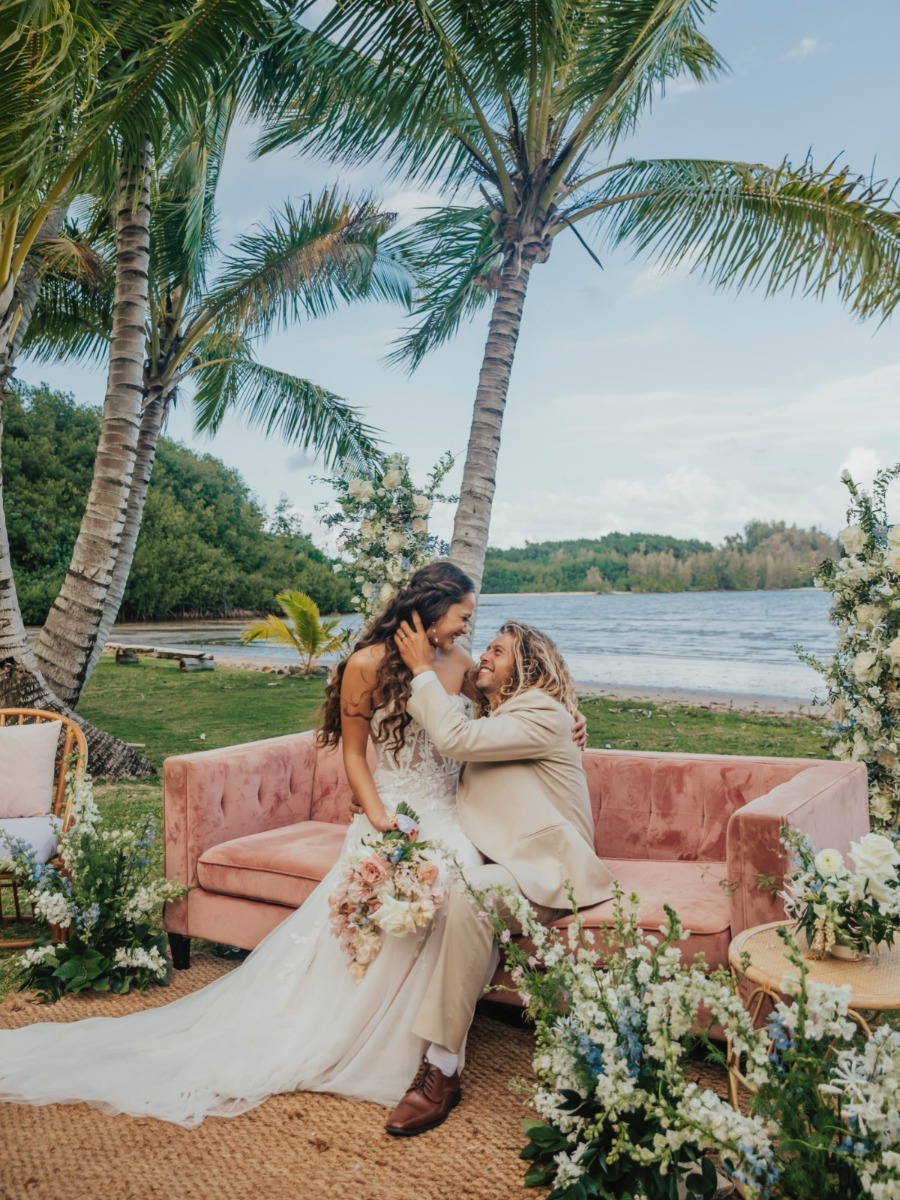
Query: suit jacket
(523, 798)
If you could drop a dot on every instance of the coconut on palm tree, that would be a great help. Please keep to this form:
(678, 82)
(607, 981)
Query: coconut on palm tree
(520, 105)
(304, 629)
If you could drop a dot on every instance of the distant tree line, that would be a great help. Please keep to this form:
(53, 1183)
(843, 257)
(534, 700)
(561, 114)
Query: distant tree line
(206, 546)
(766, 555)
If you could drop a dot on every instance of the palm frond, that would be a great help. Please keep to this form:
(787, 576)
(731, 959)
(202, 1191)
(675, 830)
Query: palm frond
(454, 255)
(229, 380)
(302, 263)
(742, 225)
(303, 613)
(627, 51)
(271, 629)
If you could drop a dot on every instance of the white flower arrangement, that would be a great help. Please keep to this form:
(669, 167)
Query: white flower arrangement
(614, 1021)
(836, 906)
(98, 898)
(382, 526)
(863, 676)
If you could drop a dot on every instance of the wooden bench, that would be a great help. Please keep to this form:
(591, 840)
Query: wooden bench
(188, 660)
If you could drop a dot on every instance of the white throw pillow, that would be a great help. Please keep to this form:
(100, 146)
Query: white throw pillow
(41, 834)
(27, 761)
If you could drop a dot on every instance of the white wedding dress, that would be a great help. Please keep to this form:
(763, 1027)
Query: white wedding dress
(290, 1018)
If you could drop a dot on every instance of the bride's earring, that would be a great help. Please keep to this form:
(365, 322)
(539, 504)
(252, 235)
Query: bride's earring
(432, 636)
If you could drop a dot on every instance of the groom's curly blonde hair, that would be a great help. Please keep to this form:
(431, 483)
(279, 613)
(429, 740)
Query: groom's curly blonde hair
(538, 664)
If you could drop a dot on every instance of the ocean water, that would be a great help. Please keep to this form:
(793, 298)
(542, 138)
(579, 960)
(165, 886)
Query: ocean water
(729, 643)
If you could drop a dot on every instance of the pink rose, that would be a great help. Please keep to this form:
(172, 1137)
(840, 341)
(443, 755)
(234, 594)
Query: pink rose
(428, 873)
(359, 892)
(374, 870)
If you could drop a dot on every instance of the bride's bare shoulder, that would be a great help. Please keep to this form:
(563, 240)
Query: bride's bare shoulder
(362, 665)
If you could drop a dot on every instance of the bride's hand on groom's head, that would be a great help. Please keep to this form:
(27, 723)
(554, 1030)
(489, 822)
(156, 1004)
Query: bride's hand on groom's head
(415, 649)
(579, 730)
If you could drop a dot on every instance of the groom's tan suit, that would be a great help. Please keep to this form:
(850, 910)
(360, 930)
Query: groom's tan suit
(523, 802)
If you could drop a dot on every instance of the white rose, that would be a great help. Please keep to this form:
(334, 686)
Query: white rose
(892, 559)
(367, 529)
(395, 541)
(829, 862)
(893, 538)
(866, 668)
(875, 857)
(419, 526)
(853, 539)
(395, 917)
(421, 505)
(868, 615)
(392, 480)
(893, 652)
(394, 461)
(395, 571)
(361, 489)
(387, 593)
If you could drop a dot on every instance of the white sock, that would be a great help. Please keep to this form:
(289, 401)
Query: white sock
(442, 1058)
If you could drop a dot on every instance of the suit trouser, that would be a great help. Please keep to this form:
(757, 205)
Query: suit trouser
(467, 958)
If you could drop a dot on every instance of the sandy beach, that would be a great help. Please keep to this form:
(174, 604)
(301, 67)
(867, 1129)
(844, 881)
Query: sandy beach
(681, 697)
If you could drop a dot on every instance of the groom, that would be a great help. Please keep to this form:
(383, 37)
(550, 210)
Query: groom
(523, 802)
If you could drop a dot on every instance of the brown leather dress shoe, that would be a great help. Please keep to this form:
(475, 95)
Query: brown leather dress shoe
(428, 1102)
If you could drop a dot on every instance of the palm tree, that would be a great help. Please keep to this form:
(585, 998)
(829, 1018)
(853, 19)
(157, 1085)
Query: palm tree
(302, 263)
(520, 105)
(89, 92)
(304, 629)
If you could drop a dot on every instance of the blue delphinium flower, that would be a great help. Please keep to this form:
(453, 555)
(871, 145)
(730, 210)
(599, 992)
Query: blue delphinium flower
(780, 1037)
(589, 1053)
(629, 1024)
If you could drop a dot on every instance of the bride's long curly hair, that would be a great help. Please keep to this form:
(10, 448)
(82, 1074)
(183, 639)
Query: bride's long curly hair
(430, 592)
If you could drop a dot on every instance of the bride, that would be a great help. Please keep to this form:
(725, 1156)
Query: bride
(269, 1026)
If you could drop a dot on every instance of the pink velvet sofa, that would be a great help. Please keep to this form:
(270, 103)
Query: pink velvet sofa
(255, 827)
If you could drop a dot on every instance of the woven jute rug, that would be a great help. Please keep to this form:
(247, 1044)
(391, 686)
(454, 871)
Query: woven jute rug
(303, 1146)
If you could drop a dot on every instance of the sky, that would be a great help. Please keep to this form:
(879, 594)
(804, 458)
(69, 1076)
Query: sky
(640, 401)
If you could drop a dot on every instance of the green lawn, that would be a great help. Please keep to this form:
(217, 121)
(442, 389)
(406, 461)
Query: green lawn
(168, 711)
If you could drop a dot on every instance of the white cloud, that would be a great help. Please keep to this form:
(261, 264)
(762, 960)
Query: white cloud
(805, 48)
(862, 462)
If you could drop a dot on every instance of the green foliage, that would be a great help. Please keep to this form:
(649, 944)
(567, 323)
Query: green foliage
(766, 555)
(204, 545)
(304, 629)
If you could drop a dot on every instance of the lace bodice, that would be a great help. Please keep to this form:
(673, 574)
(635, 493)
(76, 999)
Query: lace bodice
(418, 773)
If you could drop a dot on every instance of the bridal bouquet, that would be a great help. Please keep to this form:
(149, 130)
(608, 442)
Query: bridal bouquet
(835, 906)
(391, 885)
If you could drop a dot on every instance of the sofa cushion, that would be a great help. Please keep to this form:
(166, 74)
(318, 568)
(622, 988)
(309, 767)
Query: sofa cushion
(27, 766)
(696, 890)
(41, 834)
(279, 866)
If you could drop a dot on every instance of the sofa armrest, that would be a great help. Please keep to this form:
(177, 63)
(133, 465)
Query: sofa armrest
(216, 795)
(829, 802)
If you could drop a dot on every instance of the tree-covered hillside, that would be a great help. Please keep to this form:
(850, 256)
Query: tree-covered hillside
(764, 555)
(205, 546)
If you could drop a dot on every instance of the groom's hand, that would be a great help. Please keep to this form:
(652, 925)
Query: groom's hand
(415, 649)
(579, 730)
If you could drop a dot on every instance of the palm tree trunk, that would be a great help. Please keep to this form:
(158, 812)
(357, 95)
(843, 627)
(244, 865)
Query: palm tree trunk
(152, 419)
(23, 686)
(476, 496)
(67, 640)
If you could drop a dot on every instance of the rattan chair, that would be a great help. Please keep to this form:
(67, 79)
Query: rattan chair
(71, 755)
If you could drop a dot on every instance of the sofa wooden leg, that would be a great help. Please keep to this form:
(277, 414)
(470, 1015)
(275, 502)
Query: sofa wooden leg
(181, 951)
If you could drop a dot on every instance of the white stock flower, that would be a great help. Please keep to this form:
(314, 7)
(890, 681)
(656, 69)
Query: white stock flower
(421, 505)
(860, 748)
(853, 539)
(392, 480)
(361, 489)
(828, 862)
(866, 668)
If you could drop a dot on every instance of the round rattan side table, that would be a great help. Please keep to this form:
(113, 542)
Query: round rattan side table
(874, 981)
